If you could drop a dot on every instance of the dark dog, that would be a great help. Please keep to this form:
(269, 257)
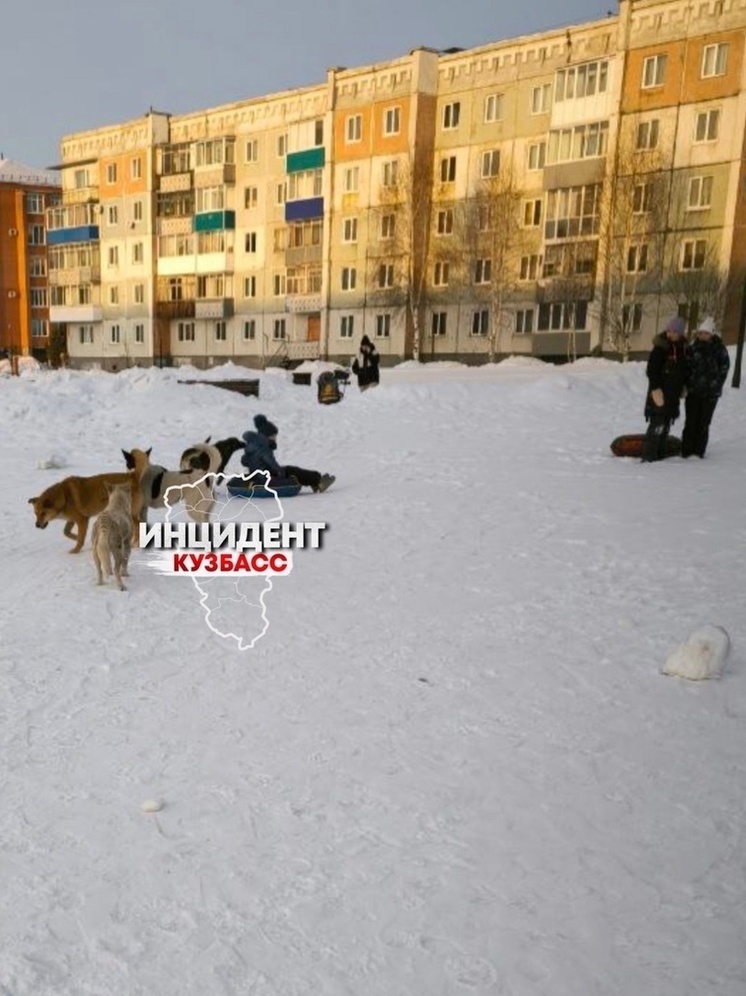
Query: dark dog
(210, 457)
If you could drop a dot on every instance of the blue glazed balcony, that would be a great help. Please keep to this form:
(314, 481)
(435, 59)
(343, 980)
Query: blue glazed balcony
(311, 207)
(80, 233)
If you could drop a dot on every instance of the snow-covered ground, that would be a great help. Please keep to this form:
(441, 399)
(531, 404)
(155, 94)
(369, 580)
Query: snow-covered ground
(451, 766)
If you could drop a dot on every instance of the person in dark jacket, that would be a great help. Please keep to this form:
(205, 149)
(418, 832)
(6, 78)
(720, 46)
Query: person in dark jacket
(668, 372)
(366, 368)
(709, 364)
(258, 454)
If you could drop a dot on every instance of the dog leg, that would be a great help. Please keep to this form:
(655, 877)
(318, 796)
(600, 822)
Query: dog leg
(82, 524)
(97, 562)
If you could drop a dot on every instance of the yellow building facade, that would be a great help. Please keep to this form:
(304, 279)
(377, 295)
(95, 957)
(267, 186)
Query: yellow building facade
(554, 195)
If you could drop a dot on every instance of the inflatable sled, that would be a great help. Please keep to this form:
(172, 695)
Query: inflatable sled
(282, 487)
(631, 445)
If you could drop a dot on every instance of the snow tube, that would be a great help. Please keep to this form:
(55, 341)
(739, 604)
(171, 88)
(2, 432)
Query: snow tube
(631, 445)
(282, 487)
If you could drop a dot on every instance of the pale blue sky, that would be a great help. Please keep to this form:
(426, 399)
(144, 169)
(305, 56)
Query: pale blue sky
(69, 65)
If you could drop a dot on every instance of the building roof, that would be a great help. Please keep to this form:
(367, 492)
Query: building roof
(11, 171)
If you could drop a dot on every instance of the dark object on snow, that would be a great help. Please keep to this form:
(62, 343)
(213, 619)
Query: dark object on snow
(632, 445)
(330, 386)
(366, 368)
(249, 388)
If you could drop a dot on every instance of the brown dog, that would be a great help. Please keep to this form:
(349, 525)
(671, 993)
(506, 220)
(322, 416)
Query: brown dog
(78, 499)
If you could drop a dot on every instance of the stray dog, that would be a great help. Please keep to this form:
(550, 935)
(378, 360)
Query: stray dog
(210, 458)
(156, 480)
(78, 499)
(112, 537)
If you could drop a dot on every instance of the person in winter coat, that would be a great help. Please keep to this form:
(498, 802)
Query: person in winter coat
(258, 454)
(709, 364)
(366, 368)
(668, 372)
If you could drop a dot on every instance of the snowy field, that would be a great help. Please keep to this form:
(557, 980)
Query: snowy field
(451, 766)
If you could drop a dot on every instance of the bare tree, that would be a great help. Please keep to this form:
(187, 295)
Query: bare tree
(695, 283)
(493, 246)
(633, 232)
(399, 251)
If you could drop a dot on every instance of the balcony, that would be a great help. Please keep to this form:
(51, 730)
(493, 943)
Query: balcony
(175, 182)
(215, 176)
(214, 221)
(309, 159)
(303, 255)
(309, 207)
(217, 307)
(175, 309)
(72, 313)
(304, 304)
(180, 225)
(80, 195)
(74, 276)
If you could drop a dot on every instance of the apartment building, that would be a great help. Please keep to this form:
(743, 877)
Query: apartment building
(25, 195)
(555, 195)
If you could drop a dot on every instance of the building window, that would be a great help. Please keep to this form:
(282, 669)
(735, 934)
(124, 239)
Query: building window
(707, 126)
(318, 132)
(185, 331)
(451, 115)
(282, 146)
(541, 98)
(136, 171)
(490, 163)
(537, 155)
(642, 198)
(448, 169)
(250, 197)
(111, 173)
(34, 204)
(562, 316)
(349, 230)
(581, 142)
(349, 278)
(351, 179)
(637, 259)
(282, 192)
(581, 81)
(115, 335)
(383, 326)
(354, 128)
(493, 108)
(139, 329)
(279, 328)
(714, 60)
(137, 211)
(249, 329)
(700, 193)
(390, 173)
(445, 222)
(250, 242)
(113, 256)
(632, 316)
(36, 235)
(483, 271)
(346, 326)
(249, 286)
(654, 71)
(139, 293)
(529, 267)
(251, 151)
(221, 331)
(388, 226)
(85, 334)
(524, 321)
(279, 284)
(480, 322)
(113, 295)
(37, 266)
(440, 274)
(138, 252)
(39, 328)
(573, 211)
(386, 275)
(439, 323)
(391, 121)
(38, 297)
(647, 135)
(80, 179)
(532, 213)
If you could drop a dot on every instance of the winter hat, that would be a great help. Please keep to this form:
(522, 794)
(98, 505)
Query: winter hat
(677, 325)
(707, 325)
(264, 426)
(365, 341)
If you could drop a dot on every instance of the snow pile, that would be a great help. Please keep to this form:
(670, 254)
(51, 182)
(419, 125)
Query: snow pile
(702, 656)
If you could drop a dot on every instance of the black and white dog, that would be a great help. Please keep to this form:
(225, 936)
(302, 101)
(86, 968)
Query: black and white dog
(210, 457)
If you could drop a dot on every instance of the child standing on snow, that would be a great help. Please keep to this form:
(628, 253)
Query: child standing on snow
(709, 362)
(258, 454)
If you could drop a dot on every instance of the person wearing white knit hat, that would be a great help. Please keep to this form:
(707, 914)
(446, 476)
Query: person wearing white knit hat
(709, 363)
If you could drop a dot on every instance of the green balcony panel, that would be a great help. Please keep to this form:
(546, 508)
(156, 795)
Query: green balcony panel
(214, 221)
(300, 162)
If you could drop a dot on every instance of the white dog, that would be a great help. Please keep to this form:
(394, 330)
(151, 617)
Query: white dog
(112, 536)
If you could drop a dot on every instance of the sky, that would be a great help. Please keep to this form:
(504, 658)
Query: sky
(451, 766)
(81, 64)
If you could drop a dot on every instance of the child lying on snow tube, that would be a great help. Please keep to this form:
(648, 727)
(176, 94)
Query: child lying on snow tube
(258, 455)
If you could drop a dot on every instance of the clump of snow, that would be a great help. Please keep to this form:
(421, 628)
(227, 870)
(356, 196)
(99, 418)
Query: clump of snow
(317, 366)
(53, 462)
(702, 656)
